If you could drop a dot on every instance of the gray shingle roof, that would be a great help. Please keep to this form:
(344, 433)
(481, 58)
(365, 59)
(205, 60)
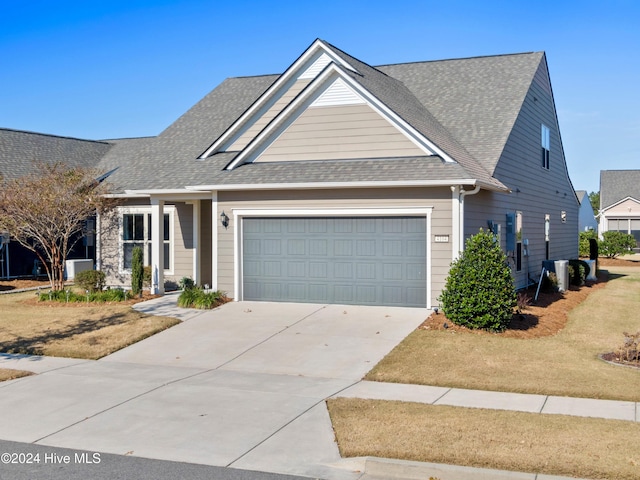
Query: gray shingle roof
(169, 160)
(19, 150)
(616, 185)
(476, 99)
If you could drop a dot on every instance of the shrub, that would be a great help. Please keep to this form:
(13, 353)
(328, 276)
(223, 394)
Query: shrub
(186, 283)
(198, 298)
(111, 295)
(583, 242)
(99, 296)
(137, 272)
(616, 243)
(479, 291)
(92, 280)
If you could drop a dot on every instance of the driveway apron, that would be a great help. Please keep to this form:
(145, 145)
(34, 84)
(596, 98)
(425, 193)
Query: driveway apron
(242, 386)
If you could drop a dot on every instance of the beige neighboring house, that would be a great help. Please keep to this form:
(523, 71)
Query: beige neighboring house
(620, 202)
(340, 182)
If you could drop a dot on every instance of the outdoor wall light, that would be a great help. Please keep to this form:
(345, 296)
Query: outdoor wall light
(224, 219)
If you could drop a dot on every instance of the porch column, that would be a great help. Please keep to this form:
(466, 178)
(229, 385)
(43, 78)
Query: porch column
(196, 242)
(215, 220)
(157, 246)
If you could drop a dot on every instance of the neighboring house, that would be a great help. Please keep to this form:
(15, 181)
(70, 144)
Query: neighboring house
(620, 202)
(339, 182)
(586, 216)
(19, 151)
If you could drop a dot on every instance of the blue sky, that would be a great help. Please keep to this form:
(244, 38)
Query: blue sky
(126, 68)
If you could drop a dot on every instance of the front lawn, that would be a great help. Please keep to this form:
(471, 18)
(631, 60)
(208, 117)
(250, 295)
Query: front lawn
(504, 440)
(565, 363)
(71, 330)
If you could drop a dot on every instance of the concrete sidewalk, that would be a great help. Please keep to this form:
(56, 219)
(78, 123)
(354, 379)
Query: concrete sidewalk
(457, 397)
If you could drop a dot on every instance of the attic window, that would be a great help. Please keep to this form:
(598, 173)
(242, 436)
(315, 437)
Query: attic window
(546, 146)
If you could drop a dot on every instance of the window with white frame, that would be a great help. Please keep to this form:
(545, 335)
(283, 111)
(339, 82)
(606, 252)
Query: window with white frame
(136, 232)
(546, 146)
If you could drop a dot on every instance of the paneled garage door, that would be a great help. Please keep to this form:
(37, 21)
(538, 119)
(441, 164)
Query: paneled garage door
(350, 260)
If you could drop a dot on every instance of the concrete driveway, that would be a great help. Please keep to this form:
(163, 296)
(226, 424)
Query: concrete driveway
(241, 386)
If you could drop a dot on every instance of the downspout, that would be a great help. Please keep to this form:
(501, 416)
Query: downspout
(460, 220)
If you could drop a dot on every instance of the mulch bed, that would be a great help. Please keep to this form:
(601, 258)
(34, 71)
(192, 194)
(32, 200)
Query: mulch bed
(547, 316)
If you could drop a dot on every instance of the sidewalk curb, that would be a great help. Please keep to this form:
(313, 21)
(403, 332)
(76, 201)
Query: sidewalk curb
(410, 470)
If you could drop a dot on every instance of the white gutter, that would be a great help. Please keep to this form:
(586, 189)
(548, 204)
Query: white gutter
(458, 193)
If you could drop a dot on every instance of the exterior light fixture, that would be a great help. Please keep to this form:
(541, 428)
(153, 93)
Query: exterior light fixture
(224, 219)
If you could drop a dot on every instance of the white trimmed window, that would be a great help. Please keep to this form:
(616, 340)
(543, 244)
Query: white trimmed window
(546, 146)
(135, 231)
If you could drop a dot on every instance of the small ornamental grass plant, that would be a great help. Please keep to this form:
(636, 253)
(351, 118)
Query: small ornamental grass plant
(70, 296)
(479, 291)
(196, 297)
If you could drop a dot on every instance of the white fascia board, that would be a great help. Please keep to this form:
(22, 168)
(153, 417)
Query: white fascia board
(334, 70)
(288, 75)
(331, 185)
(127, 194)
(177, 194)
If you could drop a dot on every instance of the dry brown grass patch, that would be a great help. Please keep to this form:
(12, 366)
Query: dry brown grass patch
(527, 442)
(11, 374)
(72, 330)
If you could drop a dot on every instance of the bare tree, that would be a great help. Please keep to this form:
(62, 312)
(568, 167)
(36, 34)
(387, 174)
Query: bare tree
(45, 211)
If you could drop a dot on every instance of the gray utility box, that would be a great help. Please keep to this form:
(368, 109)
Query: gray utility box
(561, 269)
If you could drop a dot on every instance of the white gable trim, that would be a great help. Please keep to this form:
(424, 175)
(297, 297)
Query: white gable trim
(313, 57)
(305, 98)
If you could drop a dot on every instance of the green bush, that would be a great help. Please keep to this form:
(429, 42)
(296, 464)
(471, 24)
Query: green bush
(616, 243)
(92, 280)
(111, 295)
(197, 298)
(101, 296)
(137, 273)
(583, 242)
(479, 291)
(186, 283)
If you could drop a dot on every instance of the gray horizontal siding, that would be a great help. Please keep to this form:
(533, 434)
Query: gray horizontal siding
(535, 190)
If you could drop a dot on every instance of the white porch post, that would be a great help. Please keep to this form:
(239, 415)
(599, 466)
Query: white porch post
(196, 242)
(215, 220)
(157, 246)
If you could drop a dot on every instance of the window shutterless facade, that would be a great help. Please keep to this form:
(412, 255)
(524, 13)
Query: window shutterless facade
(136, 232)
(546, 146)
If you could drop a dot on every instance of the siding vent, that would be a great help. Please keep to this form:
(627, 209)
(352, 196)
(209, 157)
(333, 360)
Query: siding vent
(316, 67)
(338, 93)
